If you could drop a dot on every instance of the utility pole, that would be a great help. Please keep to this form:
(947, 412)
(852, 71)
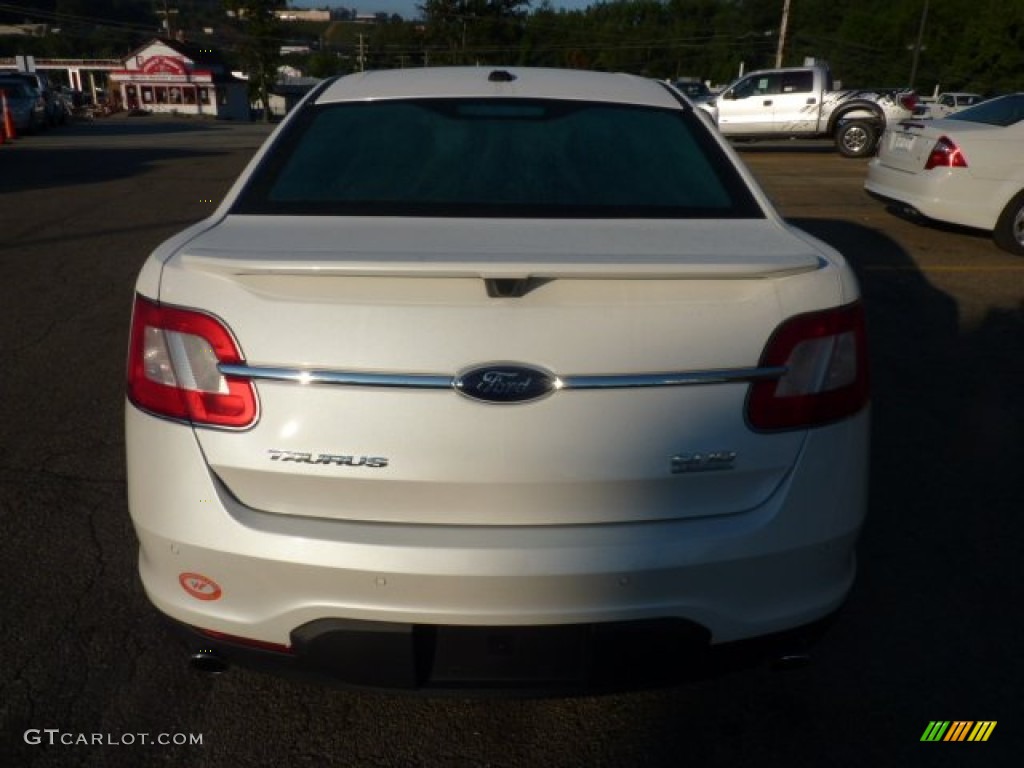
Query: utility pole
(362, 54)
(917, 45)
(782, 34)
(166, 13)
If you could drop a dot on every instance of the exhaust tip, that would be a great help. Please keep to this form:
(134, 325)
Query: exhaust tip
(788, 661)
(905, 211)
(208, 662)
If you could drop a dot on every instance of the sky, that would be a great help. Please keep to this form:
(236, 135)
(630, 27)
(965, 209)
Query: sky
(407, 8)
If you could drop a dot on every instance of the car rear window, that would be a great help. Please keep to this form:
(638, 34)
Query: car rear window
(499, 158)
(1003, 111)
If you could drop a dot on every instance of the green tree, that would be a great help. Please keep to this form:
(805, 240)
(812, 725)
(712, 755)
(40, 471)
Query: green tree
(260, 52)
(469, 31)
(990, 57)
(323, 64)
(975, 45)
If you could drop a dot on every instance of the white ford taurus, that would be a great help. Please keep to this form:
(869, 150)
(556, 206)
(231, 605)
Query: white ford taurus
(477, 374)
(965, 169)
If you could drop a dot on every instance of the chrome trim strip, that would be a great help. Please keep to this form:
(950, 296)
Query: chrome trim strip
(432, 381)
(338, 378)
(671, 378)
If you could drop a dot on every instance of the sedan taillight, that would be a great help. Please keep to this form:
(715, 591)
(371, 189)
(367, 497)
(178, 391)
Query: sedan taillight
(826, 379)
(945, 154)
(172, 368)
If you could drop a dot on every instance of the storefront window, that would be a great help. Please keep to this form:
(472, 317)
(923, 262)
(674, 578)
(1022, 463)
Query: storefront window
(147, 94)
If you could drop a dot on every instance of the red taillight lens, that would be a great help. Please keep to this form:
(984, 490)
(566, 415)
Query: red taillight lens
(945, 154)
(173, 356)
(826, 379)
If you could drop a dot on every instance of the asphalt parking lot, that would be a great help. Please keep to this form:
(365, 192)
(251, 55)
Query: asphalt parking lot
(931, 630)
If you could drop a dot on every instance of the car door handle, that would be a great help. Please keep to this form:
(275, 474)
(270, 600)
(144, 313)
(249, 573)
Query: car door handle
(768, 103)
(812, 100)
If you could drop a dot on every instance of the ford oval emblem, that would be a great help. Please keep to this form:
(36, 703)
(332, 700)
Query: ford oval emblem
(506, 383)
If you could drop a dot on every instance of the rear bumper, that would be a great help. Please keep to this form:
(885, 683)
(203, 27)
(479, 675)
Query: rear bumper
(538, 660)
(936, 195)
(784, 564)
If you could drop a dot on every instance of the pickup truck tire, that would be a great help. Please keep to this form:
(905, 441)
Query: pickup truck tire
(857, 138)
(1009, 231)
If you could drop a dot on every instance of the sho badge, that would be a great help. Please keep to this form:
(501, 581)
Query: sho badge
(338, 460)
(703, 462)
(506, 383)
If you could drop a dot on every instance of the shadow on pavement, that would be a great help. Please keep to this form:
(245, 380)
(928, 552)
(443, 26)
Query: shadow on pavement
(921, 633)
(21, 171)
(144, 125)
(798, 146)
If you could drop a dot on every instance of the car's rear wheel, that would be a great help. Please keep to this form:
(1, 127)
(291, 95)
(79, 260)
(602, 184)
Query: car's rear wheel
(857, 138)
(1009, 231)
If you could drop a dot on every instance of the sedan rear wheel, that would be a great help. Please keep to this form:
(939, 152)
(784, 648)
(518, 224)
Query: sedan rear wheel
(1009, 231)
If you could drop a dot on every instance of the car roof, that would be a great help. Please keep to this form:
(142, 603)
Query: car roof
(498, 82)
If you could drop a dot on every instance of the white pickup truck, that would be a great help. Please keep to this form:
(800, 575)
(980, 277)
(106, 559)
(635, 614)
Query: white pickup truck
(799, 102)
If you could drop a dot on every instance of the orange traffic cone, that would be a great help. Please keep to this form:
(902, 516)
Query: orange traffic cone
(9, 132)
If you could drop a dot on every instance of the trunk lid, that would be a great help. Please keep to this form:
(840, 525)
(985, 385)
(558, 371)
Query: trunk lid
(416, 299)
(907, 145)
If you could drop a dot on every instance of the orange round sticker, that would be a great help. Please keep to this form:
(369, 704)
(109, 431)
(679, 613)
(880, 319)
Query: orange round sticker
(199, 586)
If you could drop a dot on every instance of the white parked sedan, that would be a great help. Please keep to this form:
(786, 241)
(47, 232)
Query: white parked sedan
(480, 376)
(965, 169)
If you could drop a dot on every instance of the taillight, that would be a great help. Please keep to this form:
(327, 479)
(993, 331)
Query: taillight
(173, 356)
(945, 154)
(826, 379)
(909, 101)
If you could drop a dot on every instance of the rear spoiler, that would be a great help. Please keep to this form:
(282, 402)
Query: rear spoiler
(402, 265)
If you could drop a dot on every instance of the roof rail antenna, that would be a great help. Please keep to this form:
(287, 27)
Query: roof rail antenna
(500, 76)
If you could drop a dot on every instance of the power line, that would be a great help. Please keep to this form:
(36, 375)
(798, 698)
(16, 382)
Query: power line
(64, 18)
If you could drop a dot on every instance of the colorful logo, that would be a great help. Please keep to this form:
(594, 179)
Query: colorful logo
(958, 730)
